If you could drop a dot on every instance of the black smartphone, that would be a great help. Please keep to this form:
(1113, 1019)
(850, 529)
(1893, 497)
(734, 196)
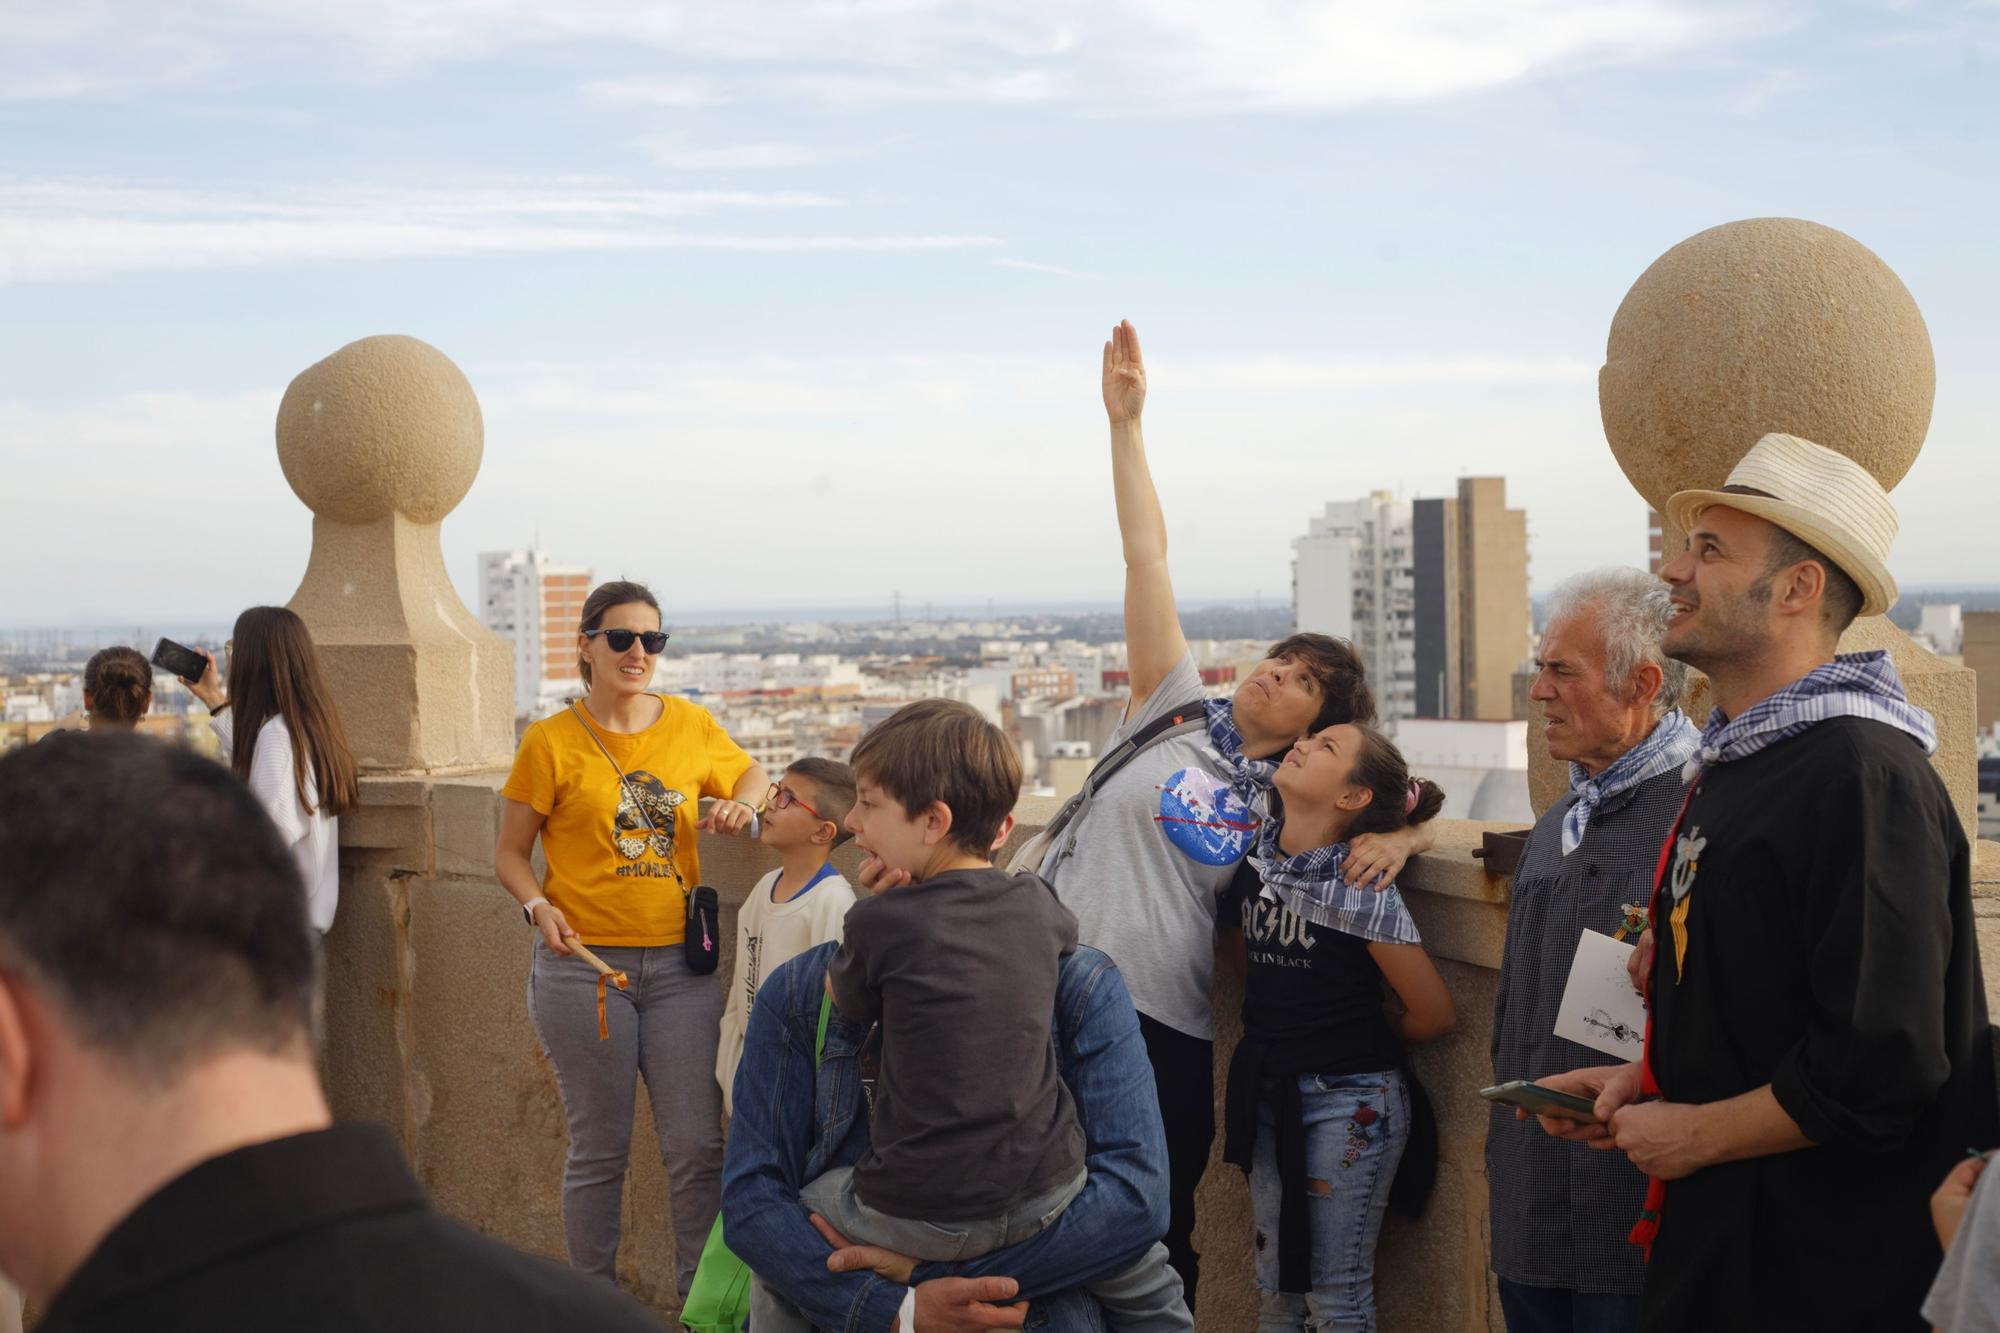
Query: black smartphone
(183, 661)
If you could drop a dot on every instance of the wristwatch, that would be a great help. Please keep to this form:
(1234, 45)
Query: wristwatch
(528, 908)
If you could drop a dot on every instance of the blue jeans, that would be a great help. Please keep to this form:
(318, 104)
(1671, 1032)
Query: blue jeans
(1560, 1310)
(795, 1122)
(1356, 1127)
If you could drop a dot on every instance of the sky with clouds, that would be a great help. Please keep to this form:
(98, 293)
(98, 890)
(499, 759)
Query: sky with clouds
(784, 303)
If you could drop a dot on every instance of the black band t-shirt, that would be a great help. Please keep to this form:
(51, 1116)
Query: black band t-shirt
(1312, 994)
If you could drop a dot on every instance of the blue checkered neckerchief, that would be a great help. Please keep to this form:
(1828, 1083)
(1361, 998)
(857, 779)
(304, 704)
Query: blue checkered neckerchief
(1247, 776)
(1671, 744)
(1312, 885)
(1851, 685)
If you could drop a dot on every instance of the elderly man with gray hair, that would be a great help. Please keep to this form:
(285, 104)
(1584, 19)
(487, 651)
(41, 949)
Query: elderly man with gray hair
(1609, 700)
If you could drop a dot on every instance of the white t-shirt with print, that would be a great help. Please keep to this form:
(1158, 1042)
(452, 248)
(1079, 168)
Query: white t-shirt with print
(768, 935)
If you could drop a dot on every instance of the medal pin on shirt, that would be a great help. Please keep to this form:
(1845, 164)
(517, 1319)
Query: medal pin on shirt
(1688, 848)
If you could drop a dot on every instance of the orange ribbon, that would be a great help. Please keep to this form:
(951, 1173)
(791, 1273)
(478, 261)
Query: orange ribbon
(618, 979)
(604, 973)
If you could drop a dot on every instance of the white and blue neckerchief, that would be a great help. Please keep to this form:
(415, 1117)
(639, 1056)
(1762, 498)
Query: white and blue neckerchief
(1851, 685)
(1312, 885)
(1672, 743)
(1247, 776)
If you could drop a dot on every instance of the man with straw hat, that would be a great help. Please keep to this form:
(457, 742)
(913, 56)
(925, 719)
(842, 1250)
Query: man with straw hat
(1817, 1050)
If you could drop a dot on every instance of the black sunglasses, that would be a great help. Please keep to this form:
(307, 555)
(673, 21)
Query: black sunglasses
(652, 640)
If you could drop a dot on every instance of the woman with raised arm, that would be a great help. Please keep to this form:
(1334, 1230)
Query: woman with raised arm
(610, 785)
(1142, 863)
(282, 736)
(1321, 1110)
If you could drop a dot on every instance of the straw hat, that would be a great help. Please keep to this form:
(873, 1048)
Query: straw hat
(1823, 498)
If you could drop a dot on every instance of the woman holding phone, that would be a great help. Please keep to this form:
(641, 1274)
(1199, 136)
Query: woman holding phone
(282, 736)
(610, 785)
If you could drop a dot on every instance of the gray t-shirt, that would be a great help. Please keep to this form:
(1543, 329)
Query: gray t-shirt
(1966, 1296)
(1158, 844)
(971, 1115)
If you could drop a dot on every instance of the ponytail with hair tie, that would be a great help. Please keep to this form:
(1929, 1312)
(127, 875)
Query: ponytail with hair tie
(1410, 801)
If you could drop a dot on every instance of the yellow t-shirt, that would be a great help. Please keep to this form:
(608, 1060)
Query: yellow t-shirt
(613, 878)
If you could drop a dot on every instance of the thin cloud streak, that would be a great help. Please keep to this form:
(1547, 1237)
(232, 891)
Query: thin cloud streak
(1283, 55)
(66, 230)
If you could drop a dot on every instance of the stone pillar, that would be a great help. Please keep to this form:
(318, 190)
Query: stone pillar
(381, 440)
(427, 1027)
(1775, 324)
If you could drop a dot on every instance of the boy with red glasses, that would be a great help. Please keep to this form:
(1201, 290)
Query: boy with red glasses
(796, 906)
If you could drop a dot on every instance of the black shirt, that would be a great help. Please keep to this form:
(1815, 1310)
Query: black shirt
(971, 1116)
(1830, 953)
(1312, 995)
(321, 1231)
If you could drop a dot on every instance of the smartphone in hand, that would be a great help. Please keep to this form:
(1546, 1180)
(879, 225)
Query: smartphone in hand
(183, 661)
(1538, 1100)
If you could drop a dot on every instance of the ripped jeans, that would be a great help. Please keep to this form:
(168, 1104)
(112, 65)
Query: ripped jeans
(1356, 1126)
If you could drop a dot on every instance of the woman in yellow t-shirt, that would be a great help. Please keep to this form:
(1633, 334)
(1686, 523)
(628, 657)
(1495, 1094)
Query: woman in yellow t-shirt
(621, 857)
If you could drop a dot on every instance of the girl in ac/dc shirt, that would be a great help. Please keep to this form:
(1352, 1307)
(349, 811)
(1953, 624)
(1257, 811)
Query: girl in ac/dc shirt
(1321, 1108)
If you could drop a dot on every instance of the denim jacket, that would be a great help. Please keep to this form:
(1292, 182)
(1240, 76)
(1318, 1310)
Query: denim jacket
(792, 1123)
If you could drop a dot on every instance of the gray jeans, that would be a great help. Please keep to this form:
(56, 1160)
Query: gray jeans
(1145, 1298)
(663, 1028)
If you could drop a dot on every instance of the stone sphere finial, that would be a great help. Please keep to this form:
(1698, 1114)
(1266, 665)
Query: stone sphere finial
(1769, 324)
(385, 425)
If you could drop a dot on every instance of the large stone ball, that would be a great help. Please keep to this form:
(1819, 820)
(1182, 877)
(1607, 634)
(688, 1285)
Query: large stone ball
(384, 425)
(1770, 324)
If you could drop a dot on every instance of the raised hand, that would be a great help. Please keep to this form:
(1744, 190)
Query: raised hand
(208, 688)
(1124, 375)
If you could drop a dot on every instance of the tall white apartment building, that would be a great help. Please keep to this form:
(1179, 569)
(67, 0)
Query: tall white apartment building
(536, 605)
(1354, 577)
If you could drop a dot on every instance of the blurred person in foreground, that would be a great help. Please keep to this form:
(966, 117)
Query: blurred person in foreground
(167, 1159)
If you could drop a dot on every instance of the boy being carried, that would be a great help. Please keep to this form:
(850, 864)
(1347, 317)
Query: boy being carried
(975, 1140)
(798, 905)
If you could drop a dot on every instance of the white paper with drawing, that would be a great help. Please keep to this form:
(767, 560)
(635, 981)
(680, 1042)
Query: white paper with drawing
(1599, 1007)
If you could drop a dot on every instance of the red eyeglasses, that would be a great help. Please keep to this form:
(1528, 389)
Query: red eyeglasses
(782, 798)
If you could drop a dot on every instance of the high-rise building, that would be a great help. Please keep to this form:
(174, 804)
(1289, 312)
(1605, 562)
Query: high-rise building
(1352, 577)
(1979, 647)
(1472, 623)
(535, 605)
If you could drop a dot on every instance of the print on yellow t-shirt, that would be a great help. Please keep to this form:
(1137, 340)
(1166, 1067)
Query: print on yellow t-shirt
(618, 881)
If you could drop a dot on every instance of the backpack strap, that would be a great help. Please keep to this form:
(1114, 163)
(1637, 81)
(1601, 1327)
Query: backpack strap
(1184, 720)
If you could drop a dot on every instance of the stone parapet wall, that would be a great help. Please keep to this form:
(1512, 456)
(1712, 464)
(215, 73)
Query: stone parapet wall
(427, 1031)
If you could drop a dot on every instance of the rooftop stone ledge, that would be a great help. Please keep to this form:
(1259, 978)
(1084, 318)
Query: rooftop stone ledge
(445, 825)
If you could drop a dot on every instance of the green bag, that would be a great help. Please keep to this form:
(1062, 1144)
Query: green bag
(719, 1299)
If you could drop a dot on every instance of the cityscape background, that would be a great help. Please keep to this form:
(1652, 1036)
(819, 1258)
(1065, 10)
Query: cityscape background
(1432, 592)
